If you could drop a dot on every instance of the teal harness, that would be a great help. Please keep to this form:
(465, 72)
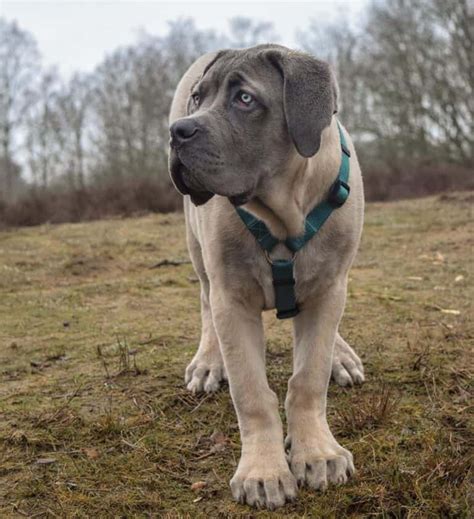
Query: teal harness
(282, 270)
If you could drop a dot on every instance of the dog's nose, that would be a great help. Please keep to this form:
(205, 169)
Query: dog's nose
(183, 130)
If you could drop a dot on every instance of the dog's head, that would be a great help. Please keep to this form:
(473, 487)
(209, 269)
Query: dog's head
(248, 115)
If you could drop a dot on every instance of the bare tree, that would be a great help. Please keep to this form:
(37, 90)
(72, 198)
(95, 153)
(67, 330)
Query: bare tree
(43, 133)
(246, 32)
(20, 64)
(418, 69)
(132, 94)
(130, 90)
(73, 106)
(406, 78)
(183, 44)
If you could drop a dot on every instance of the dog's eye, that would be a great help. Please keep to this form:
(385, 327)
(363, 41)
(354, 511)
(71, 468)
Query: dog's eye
(244, 98)
(196, 99)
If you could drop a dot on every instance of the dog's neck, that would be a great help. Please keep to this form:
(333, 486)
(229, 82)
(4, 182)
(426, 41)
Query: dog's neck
(288, 198)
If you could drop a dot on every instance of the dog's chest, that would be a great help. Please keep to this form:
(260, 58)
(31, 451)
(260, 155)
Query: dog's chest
(314, 267)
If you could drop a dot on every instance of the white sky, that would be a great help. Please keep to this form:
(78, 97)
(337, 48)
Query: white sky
(76, 36)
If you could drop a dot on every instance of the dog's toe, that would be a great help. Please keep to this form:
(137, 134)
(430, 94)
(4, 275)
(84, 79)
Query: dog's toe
(336, 470)
(213, 381)
(347, 373)
(265, 492)
(316, 475)
(202, 377)
(347, 368)
(316, 469)
(341, 376)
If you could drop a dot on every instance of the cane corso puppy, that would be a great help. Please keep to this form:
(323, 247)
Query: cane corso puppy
(256, 129)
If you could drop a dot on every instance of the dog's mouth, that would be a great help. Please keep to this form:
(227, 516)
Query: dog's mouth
(186, 184)
(240, 199)
(179, 172)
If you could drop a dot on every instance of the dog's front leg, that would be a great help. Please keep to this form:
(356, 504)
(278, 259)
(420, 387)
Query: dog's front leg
(315, 456)
(262, 477)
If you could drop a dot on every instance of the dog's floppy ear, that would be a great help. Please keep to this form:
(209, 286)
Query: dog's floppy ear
(309, 97)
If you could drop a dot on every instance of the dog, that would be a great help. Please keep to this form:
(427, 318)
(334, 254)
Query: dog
(254, 134)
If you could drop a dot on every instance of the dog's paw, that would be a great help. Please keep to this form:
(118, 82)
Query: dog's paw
(316, 467)
(262, 486)
(347, 368)
(203, 374)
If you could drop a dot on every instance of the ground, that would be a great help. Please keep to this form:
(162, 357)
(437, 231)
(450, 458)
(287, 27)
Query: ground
(95, 335)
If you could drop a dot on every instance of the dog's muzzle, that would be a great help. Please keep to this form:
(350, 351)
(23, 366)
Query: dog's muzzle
(178, 175)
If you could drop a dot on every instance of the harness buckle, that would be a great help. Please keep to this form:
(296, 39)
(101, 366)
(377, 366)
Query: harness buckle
(288, 314)
(339, 193)
(284, 286)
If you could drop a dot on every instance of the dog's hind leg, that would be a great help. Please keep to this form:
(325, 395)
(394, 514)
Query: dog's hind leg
(347, 368)
(206, 371)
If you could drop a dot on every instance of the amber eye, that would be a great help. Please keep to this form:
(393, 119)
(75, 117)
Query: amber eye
(196, 99)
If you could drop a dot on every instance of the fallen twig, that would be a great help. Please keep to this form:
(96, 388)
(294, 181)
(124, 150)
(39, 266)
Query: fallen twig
(170, 262)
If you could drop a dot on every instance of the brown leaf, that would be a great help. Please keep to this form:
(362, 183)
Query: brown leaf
(219, 438)
(91, 453)
(18, 436)
(198, 485)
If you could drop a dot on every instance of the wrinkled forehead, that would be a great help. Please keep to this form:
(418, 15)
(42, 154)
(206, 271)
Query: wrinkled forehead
(241, 67)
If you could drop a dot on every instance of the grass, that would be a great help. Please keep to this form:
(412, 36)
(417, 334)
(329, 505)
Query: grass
(95, 336)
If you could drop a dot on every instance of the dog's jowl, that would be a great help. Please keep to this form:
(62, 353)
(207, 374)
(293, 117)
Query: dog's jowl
(274, 211)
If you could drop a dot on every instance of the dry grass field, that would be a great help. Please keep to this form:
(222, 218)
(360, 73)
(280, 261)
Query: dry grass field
(95, 420)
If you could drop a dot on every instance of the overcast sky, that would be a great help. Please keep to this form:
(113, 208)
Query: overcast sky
(76, 36)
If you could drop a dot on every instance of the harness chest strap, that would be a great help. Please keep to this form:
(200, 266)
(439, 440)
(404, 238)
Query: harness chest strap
(283, 270)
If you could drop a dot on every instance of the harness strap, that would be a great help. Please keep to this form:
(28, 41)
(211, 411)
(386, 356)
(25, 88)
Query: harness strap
(265, 239)
(282, 270)
(284, 286)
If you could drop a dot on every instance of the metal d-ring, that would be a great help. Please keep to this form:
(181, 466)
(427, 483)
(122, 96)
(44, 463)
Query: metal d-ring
(267, 256)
